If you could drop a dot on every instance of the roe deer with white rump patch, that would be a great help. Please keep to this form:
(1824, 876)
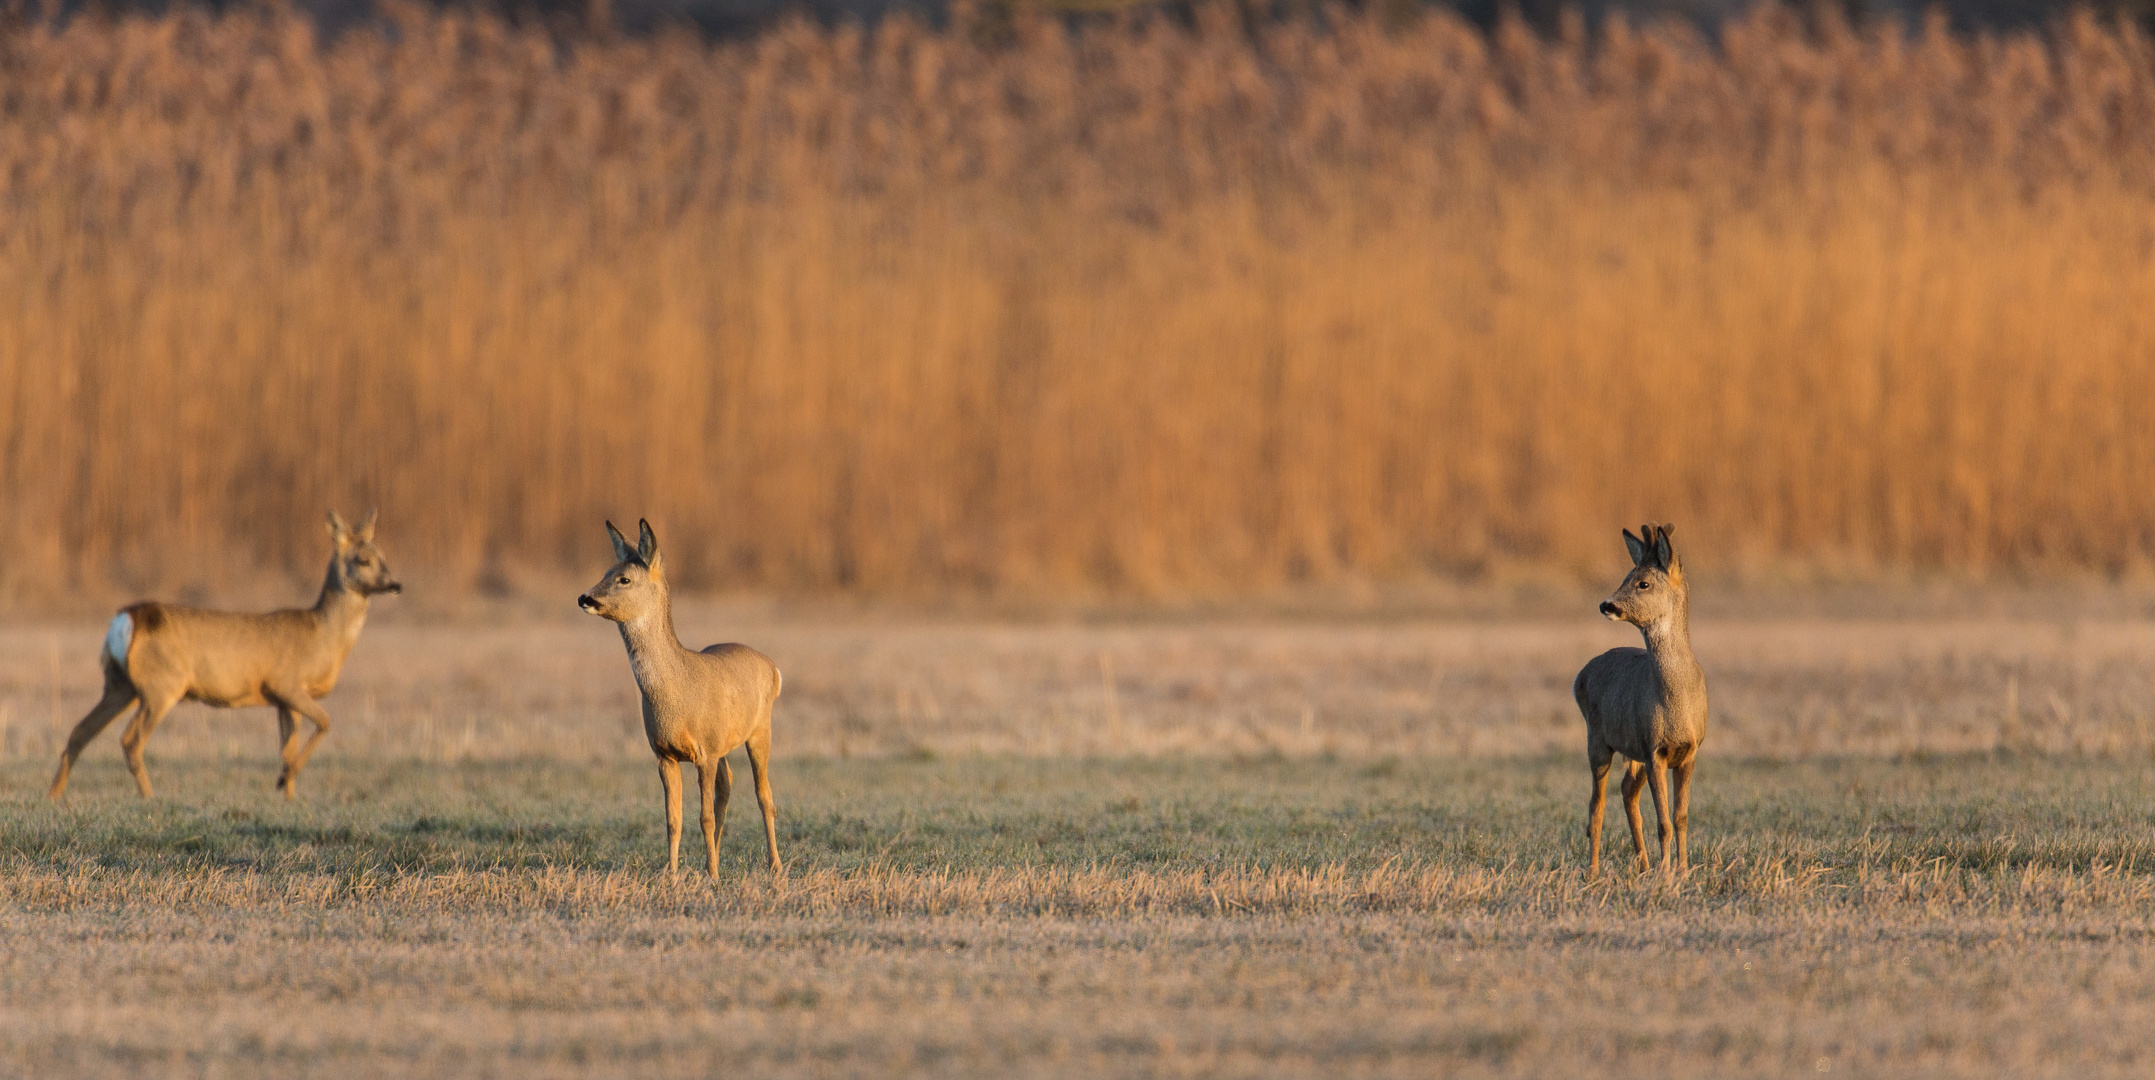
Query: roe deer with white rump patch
(697, 706)
(158, 654)
(1647, 704)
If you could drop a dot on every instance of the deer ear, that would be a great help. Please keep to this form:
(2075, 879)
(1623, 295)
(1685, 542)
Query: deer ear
(365, 532)
(1636, 547)
(622, 551)
(646, 542)
(1664, 552)
(338, 531)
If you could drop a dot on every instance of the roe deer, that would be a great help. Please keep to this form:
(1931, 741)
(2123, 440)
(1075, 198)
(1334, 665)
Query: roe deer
(1646, 704)
(697, 706)
(157, 654)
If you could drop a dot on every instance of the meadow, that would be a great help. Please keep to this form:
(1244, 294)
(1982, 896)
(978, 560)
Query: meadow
(1126, 307)
(1921, 848)
(1963, 916)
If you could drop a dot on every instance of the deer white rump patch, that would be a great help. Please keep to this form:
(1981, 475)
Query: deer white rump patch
(117, 637)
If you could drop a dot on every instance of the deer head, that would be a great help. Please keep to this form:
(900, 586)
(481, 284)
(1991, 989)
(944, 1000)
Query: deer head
(635, 585)
(1654, 589)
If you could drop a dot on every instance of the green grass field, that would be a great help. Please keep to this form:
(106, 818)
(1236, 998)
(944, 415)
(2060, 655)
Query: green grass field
(952, 915)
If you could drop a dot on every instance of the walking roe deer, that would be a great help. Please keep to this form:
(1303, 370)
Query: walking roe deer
(697, 706)
(158, 654)
(1647, 704)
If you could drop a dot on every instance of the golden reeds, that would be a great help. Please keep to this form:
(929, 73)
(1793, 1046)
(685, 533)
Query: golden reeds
(1016, 307)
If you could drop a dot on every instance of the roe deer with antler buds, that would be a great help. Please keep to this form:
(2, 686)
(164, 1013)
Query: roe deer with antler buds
(697, 706)
(1647, 704)
(159, 654)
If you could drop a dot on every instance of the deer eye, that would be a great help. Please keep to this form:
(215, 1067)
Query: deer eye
(622, 580)
(1645, 584)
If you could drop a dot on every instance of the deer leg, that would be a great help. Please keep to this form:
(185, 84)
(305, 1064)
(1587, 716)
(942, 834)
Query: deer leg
(759, 762)
(151, 714)
(305, 705)
(119, 694)
(1657, 777)
(287, 747)
(717, 778)
(1634, 780)
(1596, 800)
(669, 776)
(725, 797)
(1683, 809)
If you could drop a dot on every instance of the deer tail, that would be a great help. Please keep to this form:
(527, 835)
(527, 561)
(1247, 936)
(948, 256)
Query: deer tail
(118, 636)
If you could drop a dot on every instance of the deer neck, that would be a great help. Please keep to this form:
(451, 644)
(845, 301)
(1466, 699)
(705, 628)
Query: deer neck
(655, 651)
(339, 612)
(1668, 641)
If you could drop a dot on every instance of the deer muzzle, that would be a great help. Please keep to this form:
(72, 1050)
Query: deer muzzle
(1609, 608)
(587, 603)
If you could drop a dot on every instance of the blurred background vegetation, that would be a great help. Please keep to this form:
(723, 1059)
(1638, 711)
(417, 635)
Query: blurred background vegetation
(1168, 302)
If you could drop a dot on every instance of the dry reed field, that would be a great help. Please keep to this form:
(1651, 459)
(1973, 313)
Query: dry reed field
(1922, 847)
(1133, 307)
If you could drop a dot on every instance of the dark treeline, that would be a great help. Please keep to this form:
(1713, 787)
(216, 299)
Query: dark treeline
(734, 17)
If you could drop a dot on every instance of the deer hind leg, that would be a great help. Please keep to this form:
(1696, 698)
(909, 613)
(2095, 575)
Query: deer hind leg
(119, 694)
(669, 777)
(1682, 800)
(759, 762)
(1596, 801)
(1634, 781)
(147, 717)
(717, 778)
(1657, 777)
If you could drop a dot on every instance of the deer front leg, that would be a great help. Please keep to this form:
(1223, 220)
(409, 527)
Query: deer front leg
(717, 777)
(1657, 777)
(669, 776)
(298, 701)
(151, 714)
(287, 746)
(1683, 809)
(1634, 781)
(1596, 800)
